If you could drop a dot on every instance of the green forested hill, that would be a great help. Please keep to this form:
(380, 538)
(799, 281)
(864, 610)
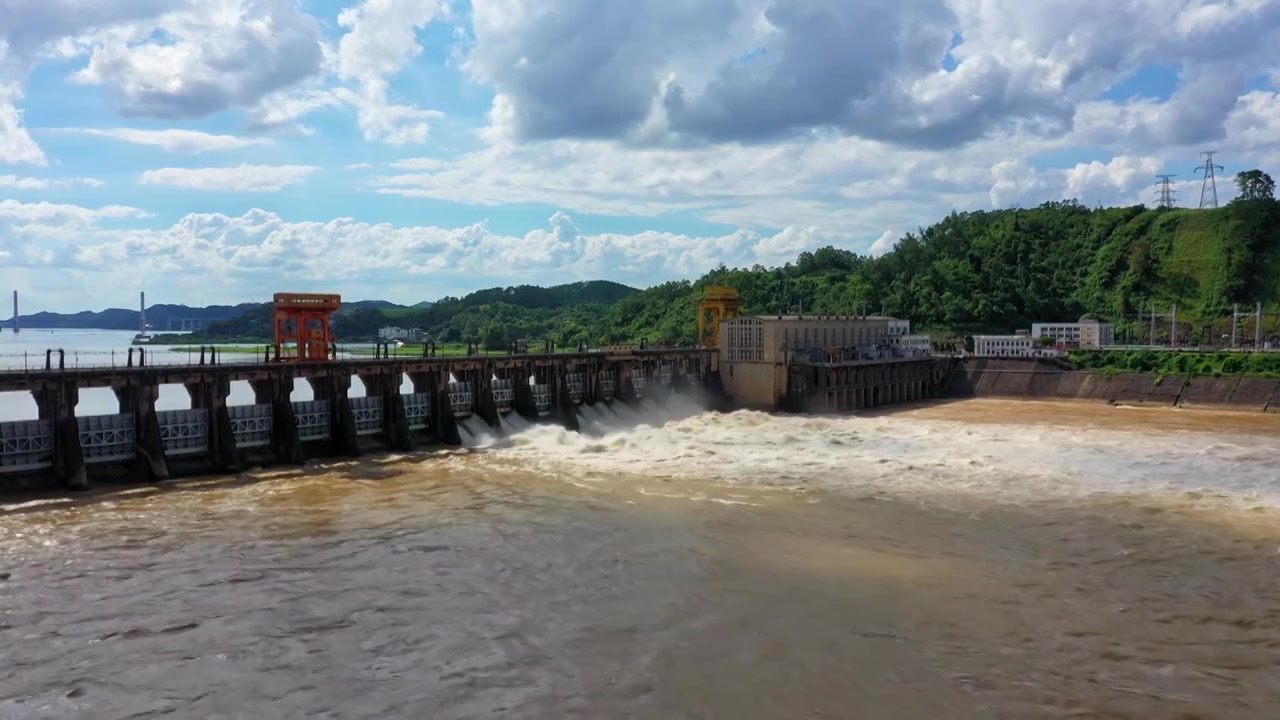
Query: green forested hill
(994, 270)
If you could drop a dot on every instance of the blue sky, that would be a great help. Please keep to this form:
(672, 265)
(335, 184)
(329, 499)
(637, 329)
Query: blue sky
(213, 151)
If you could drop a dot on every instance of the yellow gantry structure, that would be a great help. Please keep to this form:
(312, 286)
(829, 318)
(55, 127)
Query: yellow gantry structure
(720, 303)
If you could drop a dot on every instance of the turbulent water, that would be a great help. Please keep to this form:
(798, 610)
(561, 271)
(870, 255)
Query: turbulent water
(969, 560)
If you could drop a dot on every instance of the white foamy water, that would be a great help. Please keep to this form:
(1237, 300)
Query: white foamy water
(905, 455)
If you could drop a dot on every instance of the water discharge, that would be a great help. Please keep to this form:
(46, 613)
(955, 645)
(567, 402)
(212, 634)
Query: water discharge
(969, 560)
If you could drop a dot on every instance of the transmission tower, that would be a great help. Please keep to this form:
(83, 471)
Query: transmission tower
(1208, 186)
(1166, 191)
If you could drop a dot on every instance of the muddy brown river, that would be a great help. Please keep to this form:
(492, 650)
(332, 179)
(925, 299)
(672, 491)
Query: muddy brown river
(971, 560)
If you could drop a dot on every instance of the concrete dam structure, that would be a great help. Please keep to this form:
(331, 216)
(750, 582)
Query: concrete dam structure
(142, 444)
(1041, 379)
(145, 444)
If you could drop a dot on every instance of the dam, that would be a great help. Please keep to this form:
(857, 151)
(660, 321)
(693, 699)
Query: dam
(799, 364)
(142, 444)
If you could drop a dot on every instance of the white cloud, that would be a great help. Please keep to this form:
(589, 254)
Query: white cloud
(172, 139)
(242, 178)
(757, 70)
(45, 234)
(217, 55)
(16, 145)
(157, 58)
(381, 40)
(884, 243)
(252, 253)
(358, 166)
(29, 183)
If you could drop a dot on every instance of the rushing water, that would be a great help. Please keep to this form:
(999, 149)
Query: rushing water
(969, 560)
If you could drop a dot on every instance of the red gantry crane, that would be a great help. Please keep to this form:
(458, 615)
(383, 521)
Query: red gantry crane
(302, 326)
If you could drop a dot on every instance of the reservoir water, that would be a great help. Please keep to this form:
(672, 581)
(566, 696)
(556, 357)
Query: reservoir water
(979, 559)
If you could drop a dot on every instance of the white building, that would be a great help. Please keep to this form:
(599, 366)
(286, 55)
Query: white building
(1085, 334)
(899, 328)
(391, 332)
(1020, 345)
(912, 345)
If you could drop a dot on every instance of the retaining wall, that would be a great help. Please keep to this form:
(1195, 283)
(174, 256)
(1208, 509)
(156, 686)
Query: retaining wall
(1046, 380)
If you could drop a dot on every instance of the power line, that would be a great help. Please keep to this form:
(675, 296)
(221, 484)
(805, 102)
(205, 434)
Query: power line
(1166, 191)
(1209, 185)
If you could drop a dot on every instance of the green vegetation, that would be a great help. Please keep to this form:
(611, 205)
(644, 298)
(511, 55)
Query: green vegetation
(406, 350)
(970, 272)
(1166, 363)
(234, 349)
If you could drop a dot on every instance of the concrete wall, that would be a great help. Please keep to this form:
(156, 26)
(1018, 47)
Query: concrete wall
(752, 385)
(1048, 380)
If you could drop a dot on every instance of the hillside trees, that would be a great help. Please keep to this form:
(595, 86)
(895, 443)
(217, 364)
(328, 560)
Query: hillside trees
(973, 271)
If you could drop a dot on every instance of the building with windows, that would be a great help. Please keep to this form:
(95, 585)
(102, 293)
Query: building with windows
(898, 327)
(391, 332)
(1088, 334)
(1020, 345)
(755, 350)
(911, 345)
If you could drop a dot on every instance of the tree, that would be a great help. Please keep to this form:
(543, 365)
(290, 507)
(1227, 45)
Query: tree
(1256, 185)
(495, 337)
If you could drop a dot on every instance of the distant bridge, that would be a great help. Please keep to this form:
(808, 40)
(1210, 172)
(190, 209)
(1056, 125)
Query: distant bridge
(186, 324)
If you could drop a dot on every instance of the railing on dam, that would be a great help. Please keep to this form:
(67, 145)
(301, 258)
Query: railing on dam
(164, 356)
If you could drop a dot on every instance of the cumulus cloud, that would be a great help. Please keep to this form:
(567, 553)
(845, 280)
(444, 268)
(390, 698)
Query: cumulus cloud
(381, 40)
(157, 58)
(44, 234)
(848, 186)
(242, 178)
(29, 183)
(759, 70)
(222, 54)
(16, 145)
(172, 139)
(249, 252)
(884, 243)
